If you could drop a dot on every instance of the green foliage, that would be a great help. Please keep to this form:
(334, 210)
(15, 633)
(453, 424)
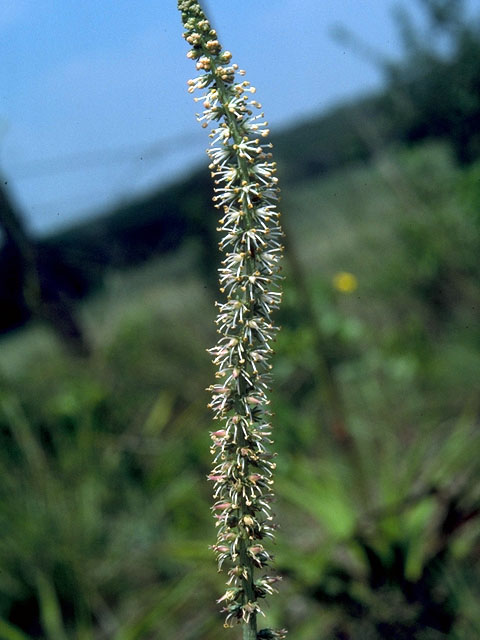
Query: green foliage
(98, 492)
(434, 87)
(104, 506)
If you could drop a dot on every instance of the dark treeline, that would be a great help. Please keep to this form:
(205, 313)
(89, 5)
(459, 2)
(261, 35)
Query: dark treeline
(432, 92)
(71, 263)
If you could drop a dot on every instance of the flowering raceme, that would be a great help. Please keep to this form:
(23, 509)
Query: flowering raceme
(246, 194)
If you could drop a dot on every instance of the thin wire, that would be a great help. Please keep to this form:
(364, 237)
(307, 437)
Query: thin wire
(89, 159)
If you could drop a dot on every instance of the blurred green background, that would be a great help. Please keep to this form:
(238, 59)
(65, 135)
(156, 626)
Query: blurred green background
(104, 430)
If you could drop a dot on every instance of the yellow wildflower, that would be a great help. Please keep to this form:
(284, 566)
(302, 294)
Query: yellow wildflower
(345, 282)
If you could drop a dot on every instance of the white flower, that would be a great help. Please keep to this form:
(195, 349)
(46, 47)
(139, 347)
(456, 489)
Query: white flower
(246, 193)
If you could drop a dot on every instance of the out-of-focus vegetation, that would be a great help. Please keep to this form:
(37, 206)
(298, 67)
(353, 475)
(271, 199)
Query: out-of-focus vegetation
(104, 506)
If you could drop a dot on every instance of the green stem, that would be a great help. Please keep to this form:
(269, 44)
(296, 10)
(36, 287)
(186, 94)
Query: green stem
(250, 629)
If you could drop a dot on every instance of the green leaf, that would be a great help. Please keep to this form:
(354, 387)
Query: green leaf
(323, 498)
(9, 632)
(50, 611)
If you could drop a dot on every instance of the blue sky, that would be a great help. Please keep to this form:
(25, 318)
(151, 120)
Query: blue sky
(93, 101)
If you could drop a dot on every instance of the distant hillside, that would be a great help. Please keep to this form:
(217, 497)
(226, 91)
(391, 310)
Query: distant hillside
(73, 261)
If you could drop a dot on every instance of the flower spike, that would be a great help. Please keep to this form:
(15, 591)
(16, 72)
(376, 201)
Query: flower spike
(246, 195)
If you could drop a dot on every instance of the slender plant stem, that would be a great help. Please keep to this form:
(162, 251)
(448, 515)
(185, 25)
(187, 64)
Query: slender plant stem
(246, 193)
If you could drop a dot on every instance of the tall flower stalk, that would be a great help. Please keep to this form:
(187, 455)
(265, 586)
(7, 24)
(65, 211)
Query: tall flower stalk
(246, 193)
